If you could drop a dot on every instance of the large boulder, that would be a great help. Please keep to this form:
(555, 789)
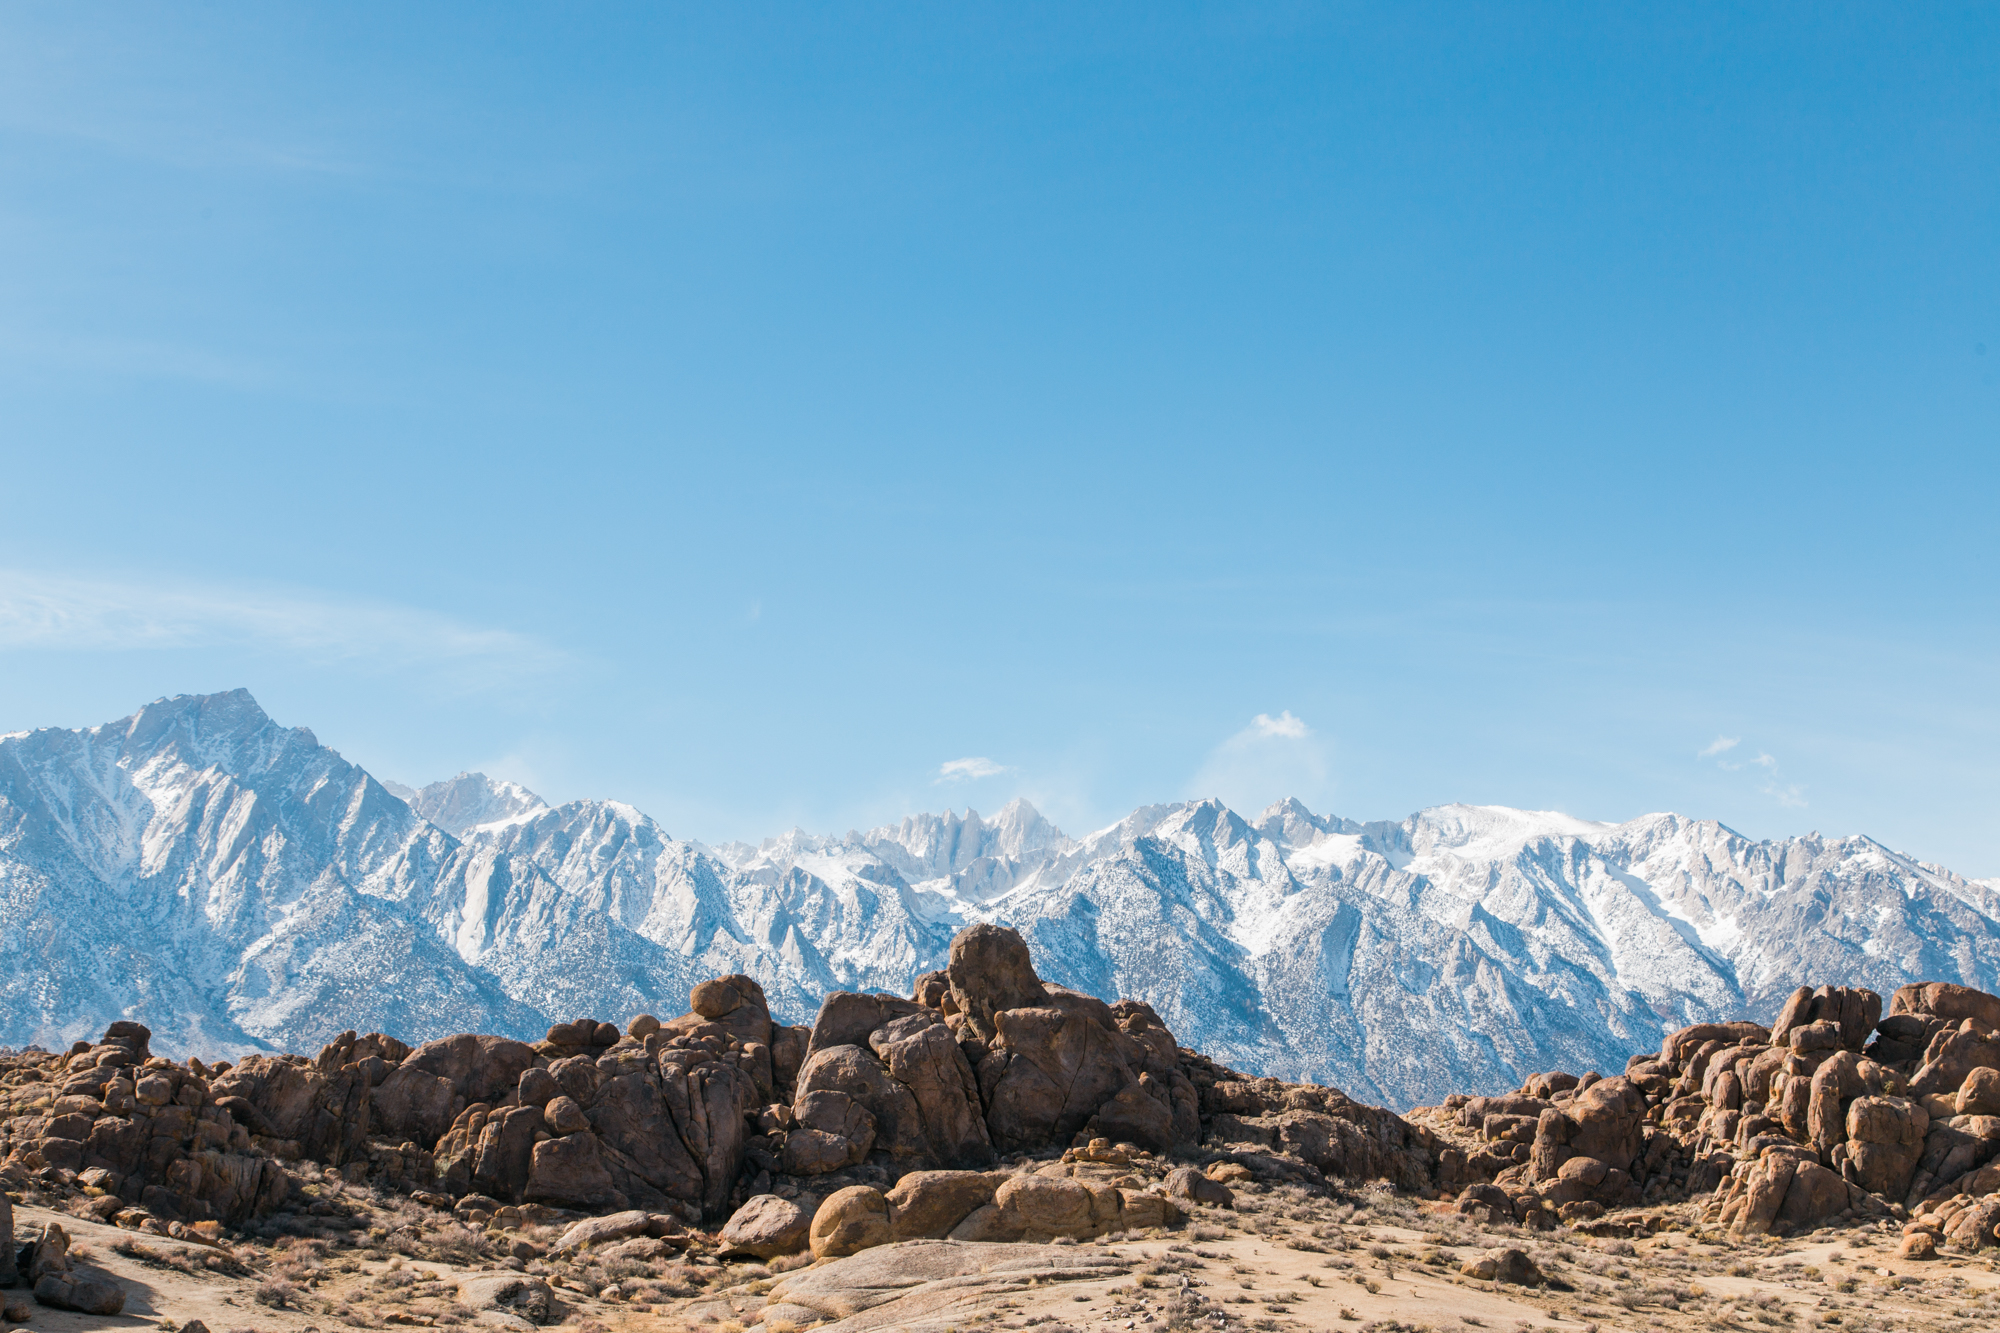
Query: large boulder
(1946, 1001)
(1850, 1013)
(1952, 1055)
(991, 971)
(849, 1221)
(1885, 1140)
(767, 1226)
(928, 1204)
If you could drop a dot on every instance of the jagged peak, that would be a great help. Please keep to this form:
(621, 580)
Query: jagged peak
(469, 800)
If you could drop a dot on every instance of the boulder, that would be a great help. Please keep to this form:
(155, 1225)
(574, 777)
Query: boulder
(570, 1173)
(849, 1221)
(518, 1295)
(990, 971)
(1979, 1094)
(919, 1052)
(1757, 1192)
(1885, 1140)
(1952, 1056)
(855, 1072)
(1045, 1207)
(616, 1226)
(1977, 1227)
(1848, 1016)
(1814, 1197)
(1944, 1000)
(1052, 1067)
(1184, 1182)
(929, 1204)
(1505, 1264)
(9, 1274)
(85, 1294)
(1485, 1203)
(767, 1226)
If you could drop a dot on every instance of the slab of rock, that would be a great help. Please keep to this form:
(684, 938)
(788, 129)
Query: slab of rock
(925, 1284)
(767, 1226)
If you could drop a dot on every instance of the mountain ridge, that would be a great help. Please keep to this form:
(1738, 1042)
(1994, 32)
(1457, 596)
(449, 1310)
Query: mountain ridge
(199, 860)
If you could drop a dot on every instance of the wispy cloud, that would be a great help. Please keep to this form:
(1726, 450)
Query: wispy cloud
(962, 770)
(1272, 758)
(1284, 725)
(1788, 794)
(39, 611)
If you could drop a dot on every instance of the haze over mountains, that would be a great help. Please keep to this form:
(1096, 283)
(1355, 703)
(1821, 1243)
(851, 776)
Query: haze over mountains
(236, 885)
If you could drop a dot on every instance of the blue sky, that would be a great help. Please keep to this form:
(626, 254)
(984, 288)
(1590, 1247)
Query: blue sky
(749, 411)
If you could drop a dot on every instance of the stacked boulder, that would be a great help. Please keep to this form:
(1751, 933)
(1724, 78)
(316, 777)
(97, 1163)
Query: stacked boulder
(140, 1132)
(694, 1116)
(1833, 1111)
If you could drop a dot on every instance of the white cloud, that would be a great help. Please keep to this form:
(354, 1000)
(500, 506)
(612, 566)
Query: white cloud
(1720, 745)
(1272, 758)
(1284, 724)
(40, 611)
(960, 770)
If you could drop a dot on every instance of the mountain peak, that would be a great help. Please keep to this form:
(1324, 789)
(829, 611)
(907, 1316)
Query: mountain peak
(460, 804)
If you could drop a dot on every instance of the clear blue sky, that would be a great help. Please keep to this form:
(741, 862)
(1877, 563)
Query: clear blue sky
(745, 411)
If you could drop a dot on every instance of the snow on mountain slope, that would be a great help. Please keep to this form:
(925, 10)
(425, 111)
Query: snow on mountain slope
(237, 885)
(470, 799)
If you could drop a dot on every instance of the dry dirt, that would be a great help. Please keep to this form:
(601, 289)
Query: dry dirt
(1285, 1259)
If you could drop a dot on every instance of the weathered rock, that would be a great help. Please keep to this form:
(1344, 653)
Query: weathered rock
(767, 1226)
(1052, 1068)
(1485, 1203)
(927, 1280)
(929, 1204)
(51, 1253)
(570, 1173)
(1885, 1140)
(1813, 1198)
(1977, 1227)
(1918, 1245)
(616, 1226)
(849, 1221)
(1184, 1182)
(991, 971)
(1944, 1000)
(9, 1274)
(919, 1052)
(1979, 1094)
(85, 1294)
(855, 1072)
(1952, 1056)
(517, 1294)
(1506, 1264)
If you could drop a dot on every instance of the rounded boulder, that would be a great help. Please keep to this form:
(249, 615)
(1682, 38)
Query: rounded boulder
(850, 1221)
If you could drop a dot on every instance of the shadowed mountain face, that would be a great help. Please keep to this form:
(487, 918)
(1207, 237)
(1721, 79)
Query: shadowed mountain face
(239, 886)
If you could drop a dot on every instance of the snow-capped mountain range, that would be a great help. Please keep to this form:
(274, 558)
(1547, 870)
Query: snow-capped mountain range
(236, 885)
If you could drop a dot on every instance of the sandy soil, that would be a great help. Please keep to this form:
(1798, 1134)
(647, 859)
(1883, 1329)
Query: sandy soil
(1285, 1259)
